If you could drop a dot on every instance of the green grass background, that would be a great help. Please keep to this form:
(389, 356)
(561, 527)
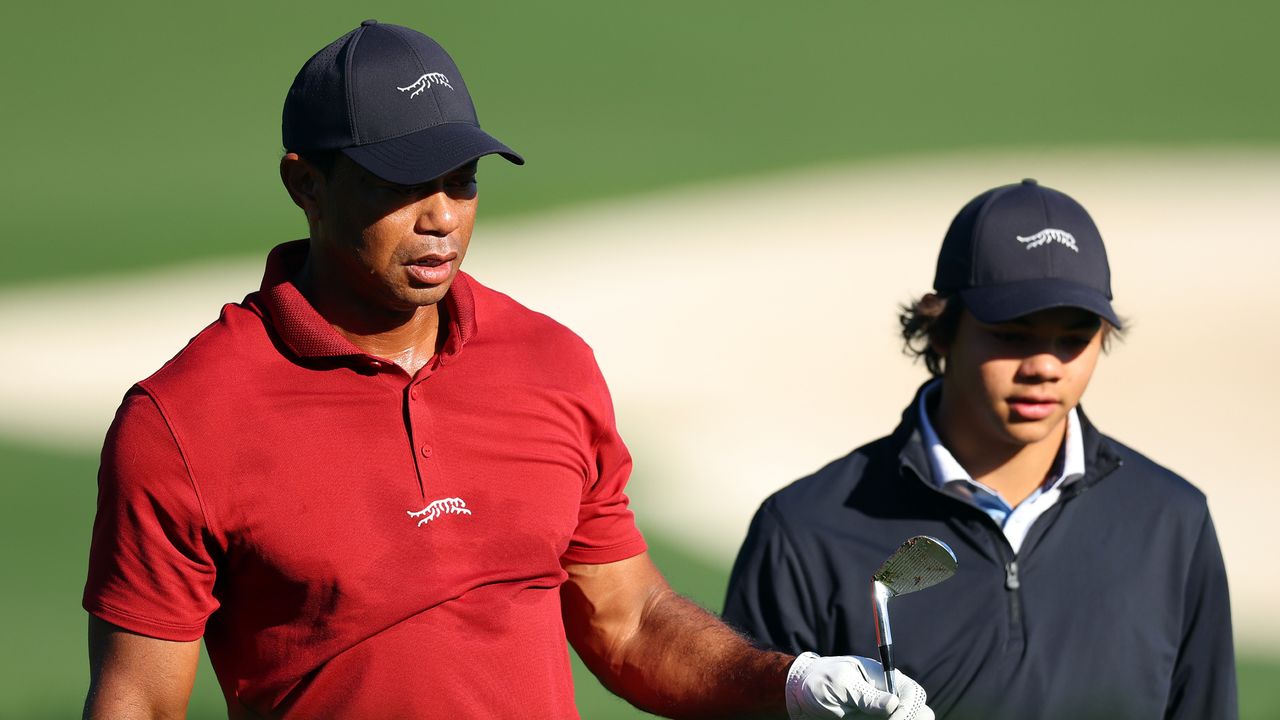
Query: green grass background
(147, 133)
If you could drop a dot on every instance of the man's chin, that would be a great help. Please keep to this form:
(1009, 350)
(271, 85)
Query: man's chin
(423, 295)
(1029, 432)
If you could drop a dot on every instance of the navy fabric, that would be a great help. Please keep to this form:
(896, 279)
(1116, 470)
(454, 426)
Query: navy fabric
(1001, 303)
(1030, 247)
(315, 109)
(427, 154)
(1116, 606)
(402, 81)
(393, 100)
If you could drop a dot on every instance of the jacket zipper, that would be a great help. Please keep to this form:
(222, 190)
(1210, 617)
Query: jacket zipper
(1012, 584)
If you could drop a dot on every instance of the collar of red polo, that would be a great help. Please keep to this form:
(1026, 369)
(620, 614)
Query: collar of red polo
(308, 334)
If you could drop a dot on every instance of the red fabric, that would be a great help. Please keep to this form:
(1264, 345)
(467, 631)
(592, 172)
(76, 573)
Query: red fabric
(257, 490)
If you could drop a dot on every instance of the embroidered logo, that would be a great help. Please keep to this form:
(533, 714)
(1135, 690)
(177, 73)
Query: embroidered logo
(443, 506)
(425, 82)
(1048, 235)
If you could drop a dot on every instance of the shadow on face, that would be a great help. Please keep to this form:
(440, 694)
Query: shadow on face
(366, 198)
(1064, 333)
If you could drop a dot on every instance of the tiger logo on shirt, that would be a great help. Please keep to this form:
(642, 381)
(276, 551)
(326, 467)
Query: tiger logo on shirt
(438, 508)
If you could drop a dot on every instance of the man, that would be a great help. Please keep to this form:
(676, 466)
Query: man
(1090, 583)
(377, 488)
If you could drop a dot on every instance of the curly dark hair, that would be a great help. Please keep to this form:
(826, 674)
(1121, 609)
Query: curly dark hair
(932, 320)
(928, 320)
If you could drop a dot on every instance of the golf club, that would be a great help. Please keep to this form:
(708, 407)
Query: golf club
(919, 563)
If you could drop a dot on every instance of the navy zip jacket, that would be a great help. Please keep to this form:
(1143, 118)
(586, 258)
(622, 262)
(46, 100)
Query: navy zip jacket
(1115, 607)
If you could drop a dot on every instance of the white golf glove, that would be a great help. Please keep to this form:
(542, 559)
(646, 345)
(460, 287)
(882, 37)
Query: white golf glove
(846, 686)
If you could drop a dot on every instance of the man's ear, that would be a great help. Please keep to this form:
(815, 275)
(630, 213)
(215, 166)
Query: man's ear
(304, 182)
(939, 347)
(936, 344)
(942, 355)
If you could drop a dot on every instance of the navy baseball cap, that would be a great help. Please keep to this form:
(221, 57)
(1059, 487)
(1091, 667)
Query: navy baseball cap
(392, 100)
(1018, 249)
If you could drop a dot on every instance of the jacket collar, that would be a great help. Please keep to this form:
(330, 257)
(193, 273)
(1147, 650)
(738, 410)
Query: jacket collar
(1100, 454)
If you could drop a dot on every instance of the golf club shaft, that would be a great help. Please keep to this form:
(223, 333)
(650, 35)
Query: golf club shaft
(880, 595)
(886, 661)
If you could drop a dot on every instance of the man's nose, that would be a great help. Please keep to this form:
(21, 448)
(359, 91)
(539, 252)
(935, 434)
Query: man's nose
(438, 214)
(1043, 366)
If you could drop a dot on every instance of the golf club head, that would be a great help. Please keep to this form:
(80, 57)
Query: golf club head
(920, 562)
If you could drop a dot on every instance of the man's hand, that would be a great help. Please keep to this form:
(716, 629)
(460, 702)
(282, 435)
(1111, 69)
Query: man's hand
(850, 687)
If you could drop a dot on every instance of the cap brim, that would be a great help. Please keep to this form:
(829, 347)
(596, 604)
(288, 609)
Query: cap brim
(1002, 303)
(427, 154)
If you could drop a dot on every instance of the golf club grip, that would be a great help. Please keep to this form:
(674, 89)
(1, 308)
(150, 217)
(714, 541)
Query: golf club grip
(886, 661)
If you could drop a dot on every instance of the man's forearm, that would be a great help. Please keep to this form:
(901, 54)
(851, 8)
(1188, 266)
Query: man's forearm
(684, 662)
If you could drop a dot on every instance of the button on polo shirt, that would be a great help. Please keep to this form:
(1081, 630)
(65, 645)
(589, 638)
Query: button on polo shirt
(349, 540)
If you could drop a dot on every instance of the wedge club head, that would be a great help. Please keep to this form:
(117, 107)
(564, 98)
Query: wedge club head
(920, 562)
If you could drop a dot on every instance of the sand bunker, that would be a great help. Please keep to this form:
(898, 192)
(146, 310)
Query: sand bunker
(747, 330)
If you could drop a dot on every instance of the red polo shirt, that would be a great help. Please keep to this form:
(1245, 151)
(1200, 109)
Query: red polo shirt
(354, 542)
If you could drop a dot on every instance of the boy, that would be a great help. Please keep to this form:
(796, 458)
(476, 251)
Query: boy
(1090, 581)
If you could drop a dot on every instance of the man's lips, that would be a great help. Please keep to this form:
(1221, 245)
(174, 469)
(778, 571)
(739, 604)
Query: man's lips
(1033, 408)
(432, 269)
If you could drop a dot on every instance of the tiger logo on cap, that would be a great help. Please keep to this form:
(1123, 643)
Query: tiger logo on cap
(424, 82)
(1048, 235)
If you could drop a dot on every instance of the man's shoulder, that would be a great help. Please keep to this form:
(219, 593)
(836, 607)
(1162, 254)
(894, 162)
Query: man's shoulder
(506, 320)
(1151, 479)
(830, 487)
(221, 350)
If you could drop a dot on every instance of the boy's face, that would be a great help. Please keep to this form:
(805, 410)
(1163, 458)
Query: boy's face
(1013, 383)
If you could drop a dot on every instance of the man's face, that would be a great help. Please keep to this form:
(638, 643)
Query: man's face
(1013, 383)
(392, 248)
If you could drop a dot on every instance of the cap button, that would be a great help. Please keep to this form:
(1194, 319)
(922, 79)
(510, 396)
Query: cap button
(1029, 181)
(368, 22)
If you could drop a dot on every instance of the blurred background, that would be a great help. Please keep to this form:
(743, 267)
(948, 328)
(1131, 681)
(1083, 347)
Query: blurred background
(727, 200)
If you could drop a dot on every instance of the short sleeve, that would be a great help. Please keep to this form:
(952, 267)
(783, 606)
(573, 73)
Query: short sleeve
(769, 597)
(150, 569)
(606, 530)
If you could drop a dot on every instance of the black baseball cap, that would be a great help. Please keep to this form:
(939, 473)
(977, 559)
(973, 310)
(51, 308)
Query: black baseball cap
(392, 100)
(1019, 249)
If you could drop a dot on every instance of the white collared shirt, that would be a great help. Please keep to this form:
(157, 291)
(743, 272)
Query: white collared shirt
(948, 475)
